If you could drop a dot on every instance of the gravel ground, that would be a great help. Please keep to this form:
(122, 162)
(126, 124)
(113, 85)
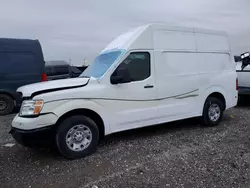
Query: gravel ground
(178, 154)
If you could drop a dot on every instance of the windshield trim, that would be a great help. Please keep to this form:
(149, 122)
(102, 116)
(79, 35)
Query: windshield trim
(115, 62)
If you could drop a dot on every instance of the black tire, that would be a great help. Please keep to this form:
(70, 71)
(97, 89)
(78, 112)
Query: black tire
(205, 117)
(240, 100)
(6, 104)
(63, 129)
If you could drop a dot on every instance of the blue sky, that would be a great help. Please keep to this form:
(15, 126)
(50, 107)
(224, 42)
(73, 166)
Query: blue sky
(82, 28)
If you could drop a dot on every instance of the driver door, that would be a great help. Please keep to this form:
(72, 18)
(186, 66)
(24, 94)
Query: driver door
(134, 104)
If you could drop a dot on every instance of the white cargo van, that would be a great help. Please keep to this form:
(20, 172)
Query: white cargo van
(150, 75)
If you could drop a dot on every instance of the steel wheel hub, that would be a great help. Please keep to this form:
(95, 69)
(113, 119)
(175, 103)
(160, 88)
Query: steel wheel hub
(214, 112)
(3, 105)
(78, 138)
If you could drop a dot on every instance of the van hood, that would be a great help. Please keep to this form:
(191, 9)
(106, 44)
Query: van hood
(32, 90)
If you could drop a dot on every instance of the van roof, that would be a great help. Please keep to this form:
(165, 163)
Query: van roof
(185, 28)
(15, 44)
(166, 37)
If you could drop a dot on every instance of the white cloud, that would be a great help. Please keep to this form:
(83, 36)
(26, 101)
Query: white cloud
(83, 28)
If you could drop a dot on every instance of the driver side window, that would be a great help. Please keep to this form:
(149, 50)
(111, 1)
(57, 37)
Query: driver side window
(138, 65)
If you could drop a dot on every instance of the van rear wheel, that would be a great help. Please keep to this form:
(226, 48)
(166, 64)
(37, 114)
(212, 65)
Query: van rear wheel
(6, 104)
(212, 112)
(77, 137)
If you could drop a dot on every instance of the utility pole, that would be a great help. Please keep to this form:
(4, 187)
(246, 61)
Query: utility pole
(84, 62)
(70, 59)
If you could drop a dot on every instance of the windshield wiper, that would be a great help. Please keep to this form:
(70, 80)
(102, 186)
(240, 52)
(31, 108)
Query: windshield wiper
(84, 76)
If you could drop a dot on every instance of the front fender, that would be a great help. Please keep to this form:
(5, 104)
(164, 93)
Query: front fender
(61, 107)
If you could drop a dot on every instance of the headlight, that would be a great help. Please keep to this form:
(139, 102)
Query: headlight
(31, 107)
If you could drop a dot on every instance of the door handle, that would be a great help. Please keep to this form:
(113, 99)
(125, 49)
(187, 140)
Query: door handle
(148, 86)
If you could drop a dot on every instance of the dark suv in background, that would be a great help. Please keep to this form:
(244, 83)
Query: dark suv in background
(57, 70)
(21, 63)
(61, 70)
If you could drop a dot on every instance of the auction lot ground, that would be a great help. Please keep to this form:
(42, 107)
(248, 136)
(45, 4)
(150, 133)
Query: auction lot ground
(178, 154)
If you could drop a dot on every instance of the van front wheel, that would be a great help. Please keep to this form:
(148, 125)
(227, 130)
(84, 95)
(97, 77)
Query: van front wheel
(77, 137)
(212, 112)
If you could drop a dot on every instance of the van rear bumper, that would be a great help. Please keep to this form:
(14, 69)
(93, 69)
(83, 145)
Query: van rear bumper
(244, 91)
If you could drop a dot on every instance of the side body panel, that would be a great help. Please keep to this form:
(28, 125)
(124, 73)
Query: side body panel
(191, 65)
(178, 85)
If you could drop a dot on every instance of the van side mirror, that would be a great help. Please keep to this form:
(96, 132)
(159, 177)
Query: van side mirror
(121, 76)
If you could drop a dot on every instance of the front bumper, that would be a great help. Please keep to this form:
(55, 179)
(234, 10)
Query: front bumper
(30, 123)
(32, 131)
(33, 138)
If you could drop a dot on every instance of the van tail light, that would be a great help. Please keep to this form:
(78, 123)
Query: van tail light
(237, 84)
(44, 77)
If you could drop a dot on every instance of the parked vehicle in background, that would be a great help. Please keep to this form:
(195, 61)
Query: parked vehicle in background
(75, 72)
(150, 75)
(57, 70)
(81, 68)
(21, 63)
(243, 71)
(60, 70)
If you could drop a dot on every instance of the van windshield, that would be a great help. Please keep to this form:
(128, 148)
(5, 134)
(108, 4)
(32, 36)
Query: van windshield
(101, 64)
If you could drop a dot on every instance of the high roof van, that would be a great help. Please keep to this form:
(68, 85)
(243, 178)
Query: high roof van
(150, 75)
(21, 63)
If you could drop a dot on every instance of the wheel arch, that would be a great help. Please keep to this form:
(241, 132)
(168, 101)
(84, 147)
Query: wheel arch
(219, 96)
(216, 91)
(88, 113)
